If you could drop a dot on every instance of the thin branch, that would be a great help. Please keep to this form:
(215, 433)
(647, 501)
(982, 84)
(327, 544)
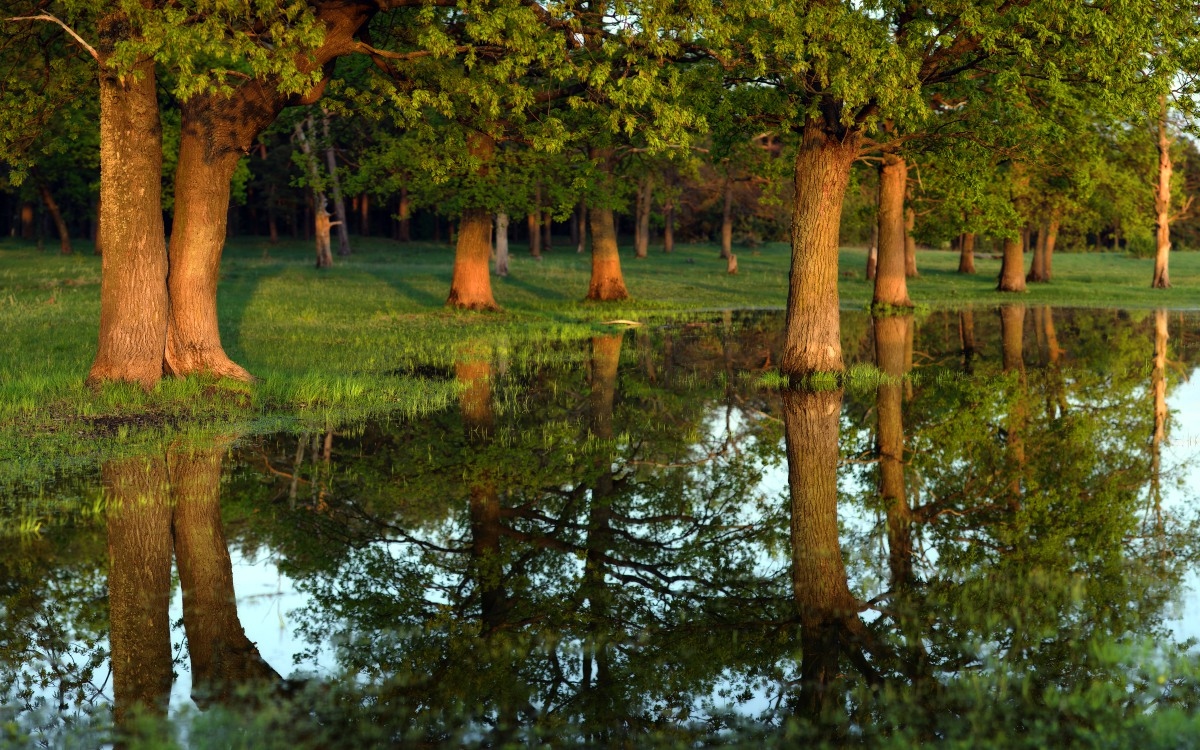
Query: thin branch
(52, 19)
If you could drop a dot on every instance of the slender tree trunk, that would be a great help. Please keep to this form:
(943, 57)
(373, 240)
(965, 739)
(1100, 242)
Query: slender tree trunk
(335, 182)
(966, 256)
(1037, 267)
(535, 230)
(873, 249)
(669, 226)
(321, 222)
(1012, 268)
(607, 283)
(727, 221)
(405, 217)
(583, 227)
(471, 284)
(60, 226)
(547, 232)
(643, 224)
(1162, 203)
(133, 281)
(1051, 241)
(1158, 390)
(222, 657)
(139, 583)
(822, 172)
(1012, 335)
(891, 284)
(910, 243)
(573, 225)
(364, 214)
(501, 244)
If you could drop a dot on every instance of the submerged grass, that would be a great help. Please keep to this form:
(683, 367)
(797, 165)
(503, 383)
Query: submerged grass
(371, 336)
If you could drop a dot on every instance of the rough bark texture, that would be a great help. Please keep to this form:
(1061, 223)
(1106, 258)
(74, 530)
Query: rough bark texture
(1051, 240)
(1162, 204)
(222, 657)
(60, 226)
(471, 284)
(813, 326)
(501, 244)
(891, 284)
(133, 280)
(892, 337)
(335, 182)
(910, 243)
(1012, 267)
(1037, 266)
(966, 254)
(727, 221)
(139, 583)
(607, 283)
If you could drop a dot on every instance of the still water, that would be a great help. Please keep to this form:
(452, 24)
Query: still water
(988, 536)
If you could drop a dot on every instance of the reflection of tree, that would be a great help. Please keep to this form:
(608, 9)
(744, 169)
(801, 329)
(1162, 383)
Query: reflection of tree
(893, 337)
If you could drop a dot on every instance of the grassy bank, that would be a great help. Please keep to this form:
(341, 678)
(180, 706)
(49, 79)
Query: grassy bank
(361, 339)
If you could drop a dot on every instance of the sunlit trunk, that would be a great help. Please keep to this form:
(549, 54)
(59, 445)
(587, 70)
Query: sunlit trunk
(501, 244)
(1037, 267)
(727, 220)
(1162, 202)
(335, 182)
(607, 283)
(535, 224)
(966, 256)
(822, 171)
(471, 282)
(1012, 267)
(1051, 241)
(910, 242)
(891, 285)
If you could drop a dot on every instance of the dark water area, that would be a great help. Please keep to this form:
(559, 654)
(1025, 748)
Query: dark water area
(987, 536)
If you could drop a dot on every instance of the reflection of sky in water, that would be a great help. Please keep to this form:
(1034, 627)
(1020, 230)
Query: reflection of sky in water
(1181, 486)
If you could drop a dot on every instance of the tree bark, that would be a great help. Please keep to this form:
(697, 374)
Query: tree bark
(1051, 241)
(1162, 203)
(645, 202)
(335, 182)
(535, 231)
(364, 214)
(547, 232)
(966, 254)
(1037, 267)
(405, 218)
(222, 657)
(139, 584)
(471, 283)
(133, 280)
(891, 284)
(607, 282)
(727, 220)
(822, 171)
(60, 226)
(910, 243)
(501, 244)
(1012, 268)
(669, 226)
(28, 227)
(321, 222)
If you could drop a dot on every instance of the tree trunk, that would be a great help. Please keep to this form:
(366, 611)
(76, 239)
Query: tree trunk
(669, 226)
(273, 213)
(364, 215)
(139, 583)
(966, 337)
(501, 244)
(891, 284)
(60, 226)
(1162, 203)
(583, 227)
(28, 226)
(97, 245)
(893, 335)
(321, 222)
(535, 230)
(645, 202)
(873, 247)
(1037, 267)
(547, 232)
(1012, 268)
(607, 283)
(405, 217)
(966, 256)
(910, 243)
(727, 221)
(573, 225)
(1051, 240)
(471, 283)
(223, 659)
(133, 281)
(1158, 390)
(822, 171)
(339, 205)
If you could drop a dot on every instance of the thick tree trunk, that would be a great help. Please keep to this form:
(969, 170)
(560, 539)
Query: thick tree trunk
(60, 226)
(133, 281)
(891, 284)
(223, 659)
(471, 283)
(1037, 267)
(607, 283)
(1012, 267)
(893, 335)
(1162, 204)
(645, 203)
(501, 244)
(910, 243)
(97, 244)
(966, 254)
(727, 220)
(669, 226)
(822, 172)
(136, 491)
(475, 403)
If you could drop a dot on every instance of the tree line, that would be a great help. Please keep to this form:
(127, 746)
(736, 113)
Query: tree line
(1020, 121)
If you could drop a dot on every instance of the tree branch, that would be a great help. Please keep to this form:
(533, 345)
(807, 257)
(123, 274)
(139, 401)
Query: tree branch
(52, 19)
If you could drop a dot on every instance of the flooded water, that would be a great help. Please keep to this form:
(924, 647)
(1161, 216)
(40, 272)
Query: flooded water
(989, 535)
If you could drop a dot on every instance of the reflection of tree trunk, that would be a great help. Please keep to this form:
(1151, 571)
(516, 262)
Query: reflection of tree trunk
(139, 583)
(828, 611)
(222, 657)
(1158, 390)
(1012, 332)
(891, 338)
(966, 337)
(1057, 391)
(891, 285)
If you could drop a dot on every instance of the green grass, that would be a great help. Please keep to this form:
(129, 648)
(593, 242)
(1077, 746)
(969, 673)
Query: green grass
(361, 339)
